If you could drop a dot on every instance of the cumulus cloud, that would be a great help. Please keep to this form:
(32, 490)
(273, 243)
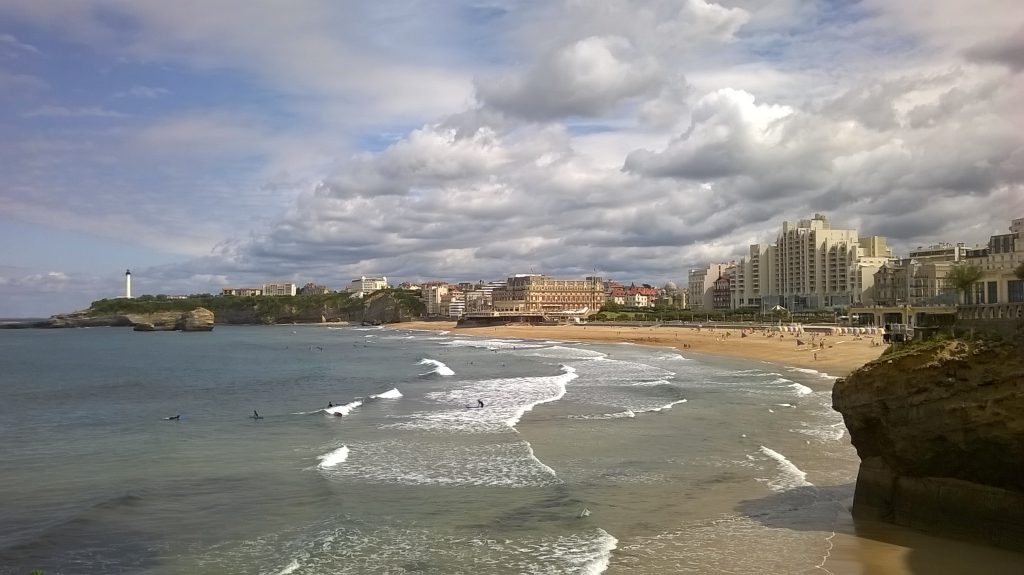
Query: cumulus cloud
(586, 78)
(630, 138)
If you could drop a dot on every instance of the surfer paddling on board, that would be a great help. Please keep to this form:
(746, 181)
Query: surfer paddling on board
(173, 418)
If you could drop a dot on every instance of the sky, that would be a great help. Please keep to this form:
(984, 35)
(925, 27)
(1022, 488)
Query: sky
(214, 143)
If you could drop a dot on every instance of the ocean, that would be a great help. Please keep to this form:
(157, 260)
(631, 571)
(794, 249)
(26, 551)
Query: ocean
(584, 458)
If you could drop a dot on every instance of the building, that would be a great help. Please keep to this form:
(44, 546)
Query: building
(721, 292)
(363, 285)
(944, 252)
(999, 284)
(910, 282)
(433, 295)
(701, 283)
(453, 304)
(128, 284)
(241, 291)
(817, 267)
(540, 294)
(751, 277)
(280, 288)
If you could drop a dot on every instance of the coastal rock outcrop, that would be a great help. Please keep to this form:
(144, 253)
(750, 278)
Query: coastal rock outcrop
(199, 319)
(940, 433)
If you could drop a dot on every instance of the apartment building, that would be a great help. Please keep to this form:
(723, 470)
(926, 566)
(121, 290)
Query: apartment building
(701, 282)
(241, 291)
(810, 266)
(364, 285)
(909, 282)
(433, 295)
(998, 262)
(453, 304)
(942, 252)
(279, 288)
(535, 293)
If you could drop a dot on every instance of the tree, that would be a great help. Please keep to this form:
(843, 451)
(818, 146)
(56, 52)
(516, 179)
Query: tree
(963, 277)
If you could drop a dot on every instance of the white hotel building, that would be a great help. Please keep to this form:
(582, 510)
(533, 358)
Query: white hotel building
(810, 266)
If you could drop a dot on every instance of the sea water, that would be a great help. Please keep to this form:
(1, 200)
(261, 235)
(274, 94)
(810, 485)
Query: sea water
(585, 459)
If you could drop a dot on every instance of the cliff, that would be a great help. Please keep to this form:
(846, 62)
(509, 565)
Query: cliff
(940, 433)
(199, 319)
(149, 313)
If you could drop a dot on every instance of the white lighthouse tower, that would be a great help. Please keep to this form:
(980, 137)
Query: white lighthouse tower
(128, 284)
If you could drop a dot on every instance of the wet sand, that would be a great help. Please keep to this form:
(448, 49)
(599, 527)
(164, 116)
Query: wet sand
(856, 548)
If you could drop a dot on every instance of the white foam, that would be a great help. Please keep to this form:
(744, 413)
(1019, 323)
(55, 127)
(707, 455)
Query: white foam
(291, 567)
(390, 394)
(493, 344)
(599, 563)
(829, 433)
(541, 463)
(570, 374)
(505, 401)
(813, 372)
(619, 415)
(562, 352)
(343, 409)
(667, 406)
(424, 461)
(439, 368)
(333, 458)
(791, 475)
(652, 383)
(801, 389)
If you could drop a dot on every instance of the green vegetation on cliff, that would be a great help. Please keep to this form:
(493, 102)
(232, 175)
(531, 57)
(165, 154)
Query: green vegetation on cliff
(264, 305)
(274, 309)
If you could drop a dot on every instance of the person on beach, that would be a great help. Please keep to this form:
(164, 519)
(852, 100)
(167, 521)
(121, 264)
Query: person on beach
(480, 403)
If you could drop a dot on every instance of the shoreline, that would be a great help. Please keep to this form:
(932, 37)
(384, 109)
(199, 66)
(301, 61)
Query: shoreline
(854, 547)
(840, 355)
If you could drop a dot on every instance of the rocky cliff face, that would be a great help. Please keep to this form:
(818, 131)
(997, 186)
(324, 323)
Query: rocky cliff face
(940, 434)
(199, 319)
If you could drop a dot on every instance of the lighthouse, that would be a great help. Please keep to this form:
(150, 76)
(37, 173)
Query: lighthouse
(128, 284)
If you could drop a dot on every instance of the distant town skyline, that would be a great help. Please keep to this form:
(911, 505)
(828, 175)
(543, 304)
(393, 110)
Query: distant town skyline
(203, 145)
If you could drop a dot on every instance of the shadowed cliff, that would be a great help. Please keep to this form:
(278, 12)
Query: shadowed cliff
(939, 428)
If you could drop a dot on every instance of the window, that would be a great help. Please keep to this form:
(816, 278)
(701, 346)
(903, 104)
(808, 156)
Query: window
(1015, 291)
(978, 293)
(992, 293)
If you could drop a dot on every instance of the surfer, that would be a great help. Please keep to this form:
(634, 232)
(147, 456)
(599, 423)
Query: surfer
(330, 404)
(256, 415)
(479, 403)
(173, 418)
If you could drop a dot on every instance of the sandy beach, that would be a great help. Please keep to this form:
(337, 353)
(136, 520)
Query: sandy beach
(839, 356)
(856, 548)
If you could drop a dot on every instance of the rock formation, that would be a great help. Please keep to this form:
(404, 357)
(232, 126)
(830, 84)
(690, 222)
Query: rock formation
(940, 434)
(199, 319)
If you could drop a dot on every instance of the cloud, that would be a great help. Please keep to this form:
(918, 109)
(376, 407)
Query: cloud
(1007, 50)
(425, 141)
(49, 111)
(142, 92)
(12, 47)
(586, 78)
